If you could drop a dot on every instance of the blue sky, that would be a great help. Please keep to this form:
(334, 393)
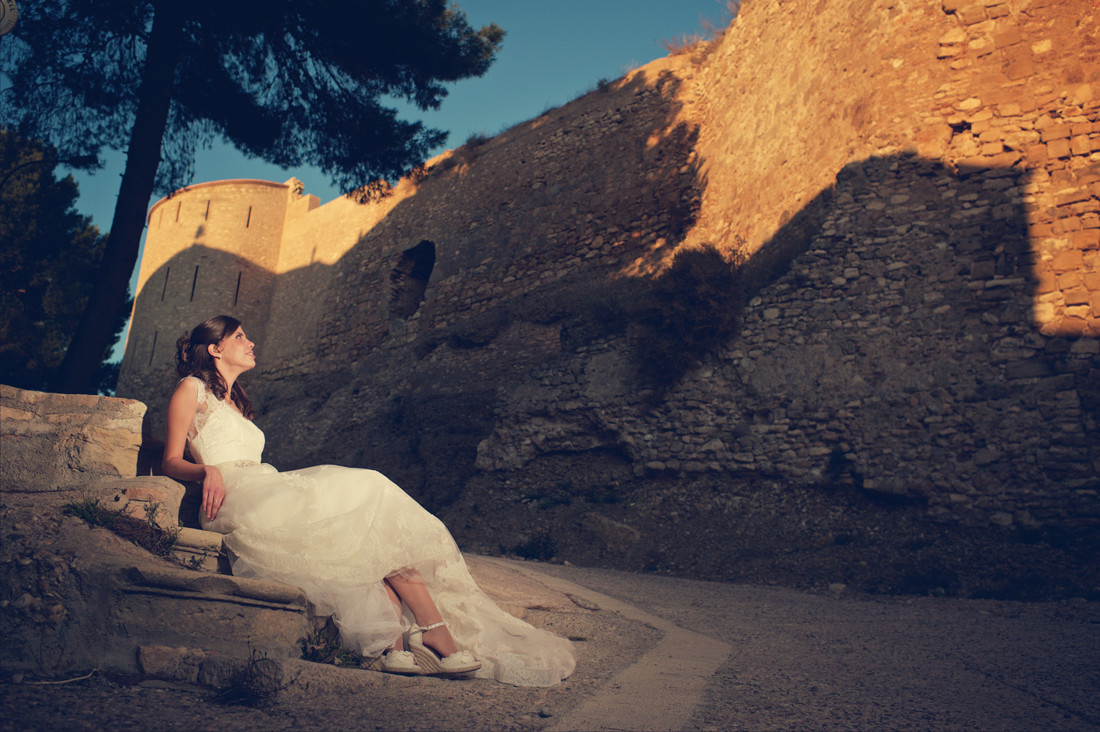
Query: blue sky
(554, 51)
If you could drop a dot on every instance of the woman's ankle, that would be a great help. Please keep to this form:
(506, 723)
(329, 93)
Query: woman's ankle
(440, 640)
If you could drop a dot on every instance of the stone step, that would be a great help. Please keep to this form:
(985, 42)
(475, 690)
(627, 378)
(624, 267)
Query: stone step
(225, 616)
(201, 550)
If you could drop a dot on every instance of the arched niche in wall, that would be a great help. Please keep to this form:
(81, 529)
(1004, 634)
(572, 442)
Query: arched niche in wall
(409, 279)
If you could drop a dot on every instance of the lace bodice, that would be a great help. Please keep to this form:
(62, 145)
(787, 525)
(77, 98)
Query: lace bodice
(219, 433)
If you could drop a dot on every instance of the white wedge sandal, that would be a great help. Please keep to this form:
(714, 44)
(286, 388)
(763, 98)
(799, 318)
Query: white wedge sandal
(431, 663)
(396, 662)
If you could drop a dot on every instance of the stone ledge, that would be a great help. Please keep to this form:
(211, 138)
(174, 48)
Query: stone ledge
(53, 441)
(205, 584)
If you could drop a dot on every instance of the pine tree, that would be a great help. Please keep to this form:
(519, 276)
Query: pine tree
(295, 82)
(48, 259)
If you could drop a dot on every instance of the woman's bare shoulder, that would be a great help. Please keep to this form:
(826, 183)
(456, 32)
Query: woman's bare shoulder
(190, 386)
(190, 383)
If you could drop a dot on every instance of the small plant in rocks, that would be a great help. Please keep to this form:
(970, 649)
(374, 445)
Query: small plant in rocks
(145, 533)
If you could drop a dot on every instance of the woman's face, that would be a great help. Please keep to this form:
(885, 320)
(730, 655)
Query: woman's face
(235, 352)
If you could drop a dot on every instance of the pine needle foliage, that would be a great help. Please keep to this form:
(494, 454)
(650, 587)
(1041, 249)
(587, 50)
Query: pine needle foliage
(293, 82)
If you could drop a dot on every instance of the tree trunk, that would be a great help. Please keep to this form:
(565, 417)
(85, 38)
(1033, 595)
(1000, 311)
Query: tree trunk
(78, 370)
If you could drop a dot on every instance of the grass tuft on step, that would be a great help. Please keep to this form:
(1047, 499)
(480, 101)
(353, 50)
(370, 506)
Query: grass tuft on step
(143, 532)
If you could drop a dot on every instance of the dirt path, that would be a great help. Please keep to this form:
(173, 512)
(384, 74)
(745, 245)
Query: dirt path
(760, 658)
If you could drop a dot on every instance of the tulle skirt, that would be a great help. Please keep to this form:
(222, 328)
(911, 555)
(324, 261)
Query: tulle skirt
(338, 532)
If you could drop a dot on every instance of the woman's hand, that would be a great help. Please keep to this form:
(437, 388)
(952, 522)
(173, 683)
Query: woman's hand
(213, 491)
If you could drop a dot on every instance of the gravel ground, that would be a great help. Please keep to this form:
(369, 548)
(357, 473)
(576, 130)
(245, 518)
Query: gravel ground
(841, 660)
(800, 660)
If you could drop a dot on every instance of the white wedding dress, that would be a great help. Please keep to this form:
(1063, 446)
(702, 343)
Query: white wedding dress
(337, 532)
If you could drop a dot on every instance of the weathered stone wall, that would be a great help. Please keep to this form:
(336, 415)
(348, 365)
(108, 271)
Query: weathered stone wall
(603, 187)
(974, 84)
(916, 186)
(897, 352)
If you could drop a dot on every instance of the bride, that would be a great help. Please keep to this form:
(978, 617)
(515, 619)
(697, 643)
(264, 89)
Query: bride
(359, 547)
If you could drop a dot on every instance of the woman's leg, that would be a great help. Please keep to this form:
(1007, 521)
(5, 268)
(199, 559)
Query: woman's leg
(397, 645)
(414, 593)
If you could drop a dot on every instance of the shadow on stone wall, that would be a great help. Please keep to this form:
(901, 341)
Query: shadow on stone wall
(890, 417)
(214, 282)
(602, 186)
(523, 225)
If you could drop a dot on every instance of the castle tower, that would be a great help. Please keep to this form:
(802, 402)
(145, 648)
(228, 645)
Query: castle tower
(210, 249)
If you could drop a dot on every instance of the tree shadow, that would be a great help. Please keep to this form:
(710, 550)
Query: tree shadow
(896, 329)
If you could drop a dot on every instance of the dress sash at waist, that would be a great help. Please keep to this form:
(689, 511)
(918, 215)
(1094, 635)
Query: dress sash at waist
(237, 465)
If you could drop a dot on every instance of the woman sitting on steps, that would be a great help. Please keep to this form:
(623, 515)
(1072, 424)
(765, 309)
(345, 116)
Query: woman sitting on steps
(359, 547)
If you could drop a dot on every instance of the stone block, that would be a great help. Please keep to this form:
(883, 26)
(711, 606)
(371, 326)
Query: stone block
(1086, 239)
(174, 664)
(1042, 46)
(1070, 280)
(986, 456)
(1055, 132)
(971, 14)
(955, 36)
(1028, 369)
(1086, 346)
(1007, 38)
(1080, 145)
(155, 496)
(1080, 94)
(1036, 155)
(1066, 260)
(1076, 296)
(1068, 223)
(983, 270)
(201, 550)
(54, 441)
(1058, 149)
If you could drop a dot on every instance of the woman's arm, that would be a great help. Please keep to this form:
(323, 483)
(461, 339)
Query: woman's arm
(181, 413)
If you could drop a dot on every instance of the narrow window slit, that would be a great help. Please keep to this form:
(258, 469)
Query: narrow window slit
(237, 292)
(194, 280)
(164, 289)
(249, 219)
(153, 350)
